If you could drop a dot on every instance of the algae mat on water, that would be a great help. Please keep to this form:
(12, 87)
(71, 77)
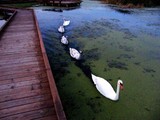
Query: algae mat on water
(112, 55)
(111, 51)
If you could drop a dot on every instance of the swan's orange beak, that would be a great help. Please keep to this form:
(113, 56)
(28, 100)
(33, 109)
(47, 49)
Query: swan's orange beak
(121, 86)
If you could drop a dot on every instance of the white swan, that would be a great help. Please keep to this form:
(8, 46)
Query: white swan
(64, 40)
(74, 53)
(66, 22)
(105, 88)
(61, 29)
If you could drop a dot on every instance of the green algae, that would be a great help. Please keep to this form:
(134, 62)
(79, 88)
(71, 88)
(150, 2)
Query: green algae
(114, 57)
(111, 52)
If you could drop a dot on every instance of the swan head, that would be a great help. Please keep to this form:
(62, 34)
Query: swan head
(120, 83)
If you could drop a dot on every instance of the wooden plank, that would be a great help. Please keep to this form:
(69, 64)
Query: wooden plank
(19, 52)
(24, 101)
(25, 108)
(8, 66)
(52, 84)
(21, 79)
(24, 88)
(12, 77)
(52, 117)
(20, 68)
(23, 83)
(36, 114)
(24, 73)
(20, 60)
(28, 69)
(14, 56)
(21, 47)
(20, 34)
(24, 94)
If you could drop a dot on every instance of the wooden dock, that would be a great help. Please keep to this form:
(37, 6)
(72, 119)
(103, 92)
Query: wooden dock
(27, 87)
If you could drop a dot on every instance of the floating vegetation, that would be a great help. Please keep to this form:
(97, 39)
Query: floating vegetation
(109, 79)
(81, 93)
(137, 63)
(117, 64)
(78, 74)
(128, 34)
(105, 69)
(105, 35)
(72, 103)
(95, 104)
(148, 70)
(126, 48)
(115, 20)
(99, 29)
(154, 54)
(147, 109)
(92, 54)
(125, 56)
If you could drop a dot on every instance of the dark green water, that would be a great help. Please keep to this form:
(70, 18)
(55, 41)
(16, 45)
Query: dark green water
(115, 46)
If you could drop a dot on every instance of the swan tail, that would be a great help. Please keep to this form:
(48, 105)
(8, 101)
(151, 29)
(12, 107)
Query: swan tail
(94, 79)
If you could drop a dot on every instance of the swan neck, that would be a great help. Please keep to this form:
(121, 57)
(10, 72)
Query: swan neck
(117, 92)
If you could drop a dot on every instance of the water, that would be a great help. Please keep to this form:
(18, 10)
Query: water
(115, 46)
(2, 22)
(4, 16)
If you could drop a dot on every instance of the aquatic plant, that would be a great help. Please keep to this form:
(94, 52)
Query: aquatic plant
(126, 48)
(134, 3)
(117, 64)
(149, 70)
(92, 54)
(125, 56)
(95, 104)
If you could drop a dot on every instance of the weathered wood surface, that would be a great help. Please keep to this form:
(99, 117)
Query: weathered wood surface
(27, 87)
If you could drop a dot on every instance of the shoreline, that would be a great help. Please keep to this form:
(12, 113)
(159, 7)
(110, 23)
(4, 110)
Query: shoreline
(131, 4)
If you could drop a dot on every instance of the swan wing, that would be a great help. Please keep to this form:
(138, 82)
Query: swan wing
(104, 87)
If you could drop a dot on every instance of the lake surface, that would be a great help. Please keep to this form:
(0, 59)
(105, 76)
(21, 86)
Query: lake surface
(2, 21)
(116, 45)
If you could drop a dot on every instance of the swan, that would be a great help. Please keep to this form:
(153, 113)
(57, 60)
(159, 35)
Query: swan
(64, 40)
(105, 88)
(61, 29)
(75, 53)
(66, 22)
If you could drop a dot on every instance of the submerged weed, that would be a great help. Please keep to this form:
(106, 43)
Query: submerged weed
(117, 64)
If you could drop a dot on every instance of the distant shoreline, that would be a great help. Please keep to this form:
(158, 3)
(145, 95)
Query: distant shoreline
(133, 3)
